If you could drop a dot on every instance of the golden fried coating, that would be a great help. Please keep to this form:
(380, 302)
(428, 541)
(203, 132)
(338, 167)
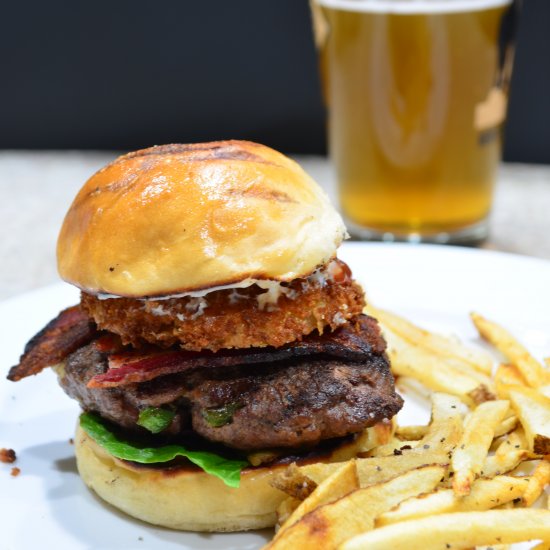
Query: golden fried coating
(234, 318)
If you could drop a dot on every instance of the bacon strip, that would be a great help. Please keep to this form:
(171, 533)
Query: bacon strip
(130, 368)
(70, 330)
(349, 342)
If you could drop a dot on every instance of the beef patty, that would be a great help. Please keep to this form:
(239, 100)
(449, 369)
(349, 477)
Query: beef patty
(295, 402)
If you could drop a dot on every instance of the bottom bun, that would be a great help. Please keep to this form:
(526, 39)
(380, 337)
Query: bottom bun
(187, 499)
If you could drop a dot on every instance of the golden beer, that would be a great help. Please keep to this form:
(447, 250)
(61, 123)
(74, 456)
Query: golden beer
(416, 93)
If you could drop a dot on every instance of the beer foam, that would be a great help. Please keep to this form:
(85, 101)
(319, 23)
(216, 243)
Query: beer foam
(412, 7)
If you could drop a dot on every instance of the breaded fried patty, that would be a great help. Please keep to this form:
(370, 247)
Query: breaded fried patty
(235, 318)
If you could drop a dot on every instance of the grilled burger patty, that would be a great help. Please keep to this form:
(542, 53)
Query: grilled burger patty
(294, 402)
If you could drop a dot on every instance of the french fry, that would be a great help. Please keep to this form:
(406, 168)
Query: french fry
(483, 379)
(431, 370)
(330, 525)
(542, 546)
(485, 494)
(446, 426)
(481, 394)
(516, 439)
(537, 482)
(459, 530)
(513, 440)
(377, 470)
(443, 432)
(411, 433)
(440, 345)
(533, 410)
(296, 484)
(533, 372)
(340, 483)
(372, 437)
(393, 447)
(442, 436)
(479, 430)
(507, 425)
(506, 376)
(509, 455)
(376, 436)
(510, 423)
(502, 464)
(285, 510)
(326, 509)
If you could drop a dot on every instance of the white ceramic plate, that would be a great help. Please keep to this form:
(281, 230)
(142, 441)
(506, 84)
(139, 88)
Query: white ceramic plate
(47, 504)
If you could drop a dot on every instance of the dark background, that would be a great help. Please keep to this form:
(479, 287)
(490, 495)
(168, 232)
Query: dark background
(128, 74)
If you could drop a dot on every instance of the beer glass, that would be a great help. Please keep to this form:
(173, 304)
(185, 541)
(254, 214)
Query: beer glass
(416, 92)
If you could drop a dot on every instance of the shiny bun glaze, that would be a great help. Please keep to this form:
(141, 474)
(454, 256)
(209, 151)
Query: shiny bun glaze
(178, 218)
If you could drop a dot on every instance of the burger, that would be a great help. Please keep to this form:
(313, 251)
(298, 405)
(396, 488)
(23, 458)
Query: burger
(218, 337)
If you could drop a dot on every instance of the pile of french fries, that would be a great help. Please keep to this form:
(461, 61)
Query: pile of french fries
(468, 479)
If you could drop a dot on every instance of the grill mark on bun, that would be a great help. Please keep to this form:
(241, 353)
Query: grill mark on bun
(147, 159)
(195, 153)
(126, 182)
(266, 194)
(218, 150)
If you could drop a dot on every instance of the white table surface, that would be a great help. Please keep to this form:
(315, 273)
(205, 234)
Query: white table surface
(36, 189)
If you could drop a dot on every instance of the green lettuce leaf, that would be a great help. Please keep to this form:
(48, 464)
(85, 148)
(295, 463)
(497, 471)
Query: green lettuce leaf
(229, 471)
(155, 419)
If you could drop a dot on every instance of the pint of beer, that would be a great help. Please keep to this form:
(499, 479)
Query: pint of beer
(416, 93)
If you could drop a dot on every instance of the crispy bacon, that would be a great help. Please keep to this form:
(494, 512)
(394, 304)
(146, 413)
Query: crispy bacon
(352, 342)
(70, 330)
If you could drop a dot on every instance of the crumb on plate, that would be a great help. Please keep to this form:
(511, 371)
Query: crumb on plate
(7, 456)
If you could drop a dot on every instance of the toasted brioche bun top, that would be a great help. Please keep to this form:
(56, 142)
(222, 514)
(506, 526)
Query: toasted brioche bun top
(178, 218)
